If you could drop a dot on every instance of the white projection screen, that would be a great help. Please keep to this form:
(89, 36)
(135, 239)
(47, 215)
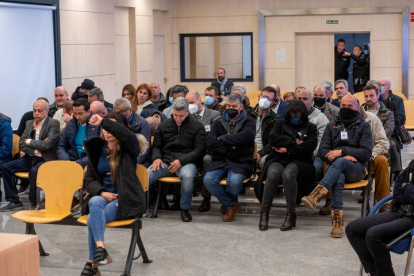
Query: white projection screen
(27, 58)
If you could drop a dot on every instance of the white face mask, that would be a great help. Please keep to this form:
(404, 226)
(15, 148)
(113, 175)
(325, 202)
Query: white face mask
(193, 108)
(264, 103)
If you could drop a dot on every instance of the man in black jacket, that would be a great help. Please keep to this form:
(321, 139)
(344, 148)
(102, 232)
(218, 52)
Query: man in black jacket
(82, 90)
(179, 143)
(361, 68)
(223, 84)
(231, 142)
(341, 62)
(346, 146)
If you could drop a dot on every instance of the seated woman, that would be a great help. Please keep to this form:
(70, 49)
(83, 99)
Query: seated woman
(290, 164)
(111, 197)
(144, 105)
(369, 235)
(289, 96)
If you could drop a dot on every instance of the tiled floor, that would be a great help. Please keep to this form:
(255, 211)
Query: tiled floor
(208, 246)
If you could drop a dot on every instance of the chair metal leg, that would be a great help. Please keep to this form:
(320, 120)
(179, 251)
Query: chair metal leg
(31, 231)
(365, 202)
(141, 247)
(361, 270)
(155, 210)
(407, 266)
(128, 264)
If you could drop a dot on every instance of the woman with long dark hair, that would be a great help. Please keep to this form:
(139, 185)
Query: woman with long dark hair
(114, 189)
(290, 164)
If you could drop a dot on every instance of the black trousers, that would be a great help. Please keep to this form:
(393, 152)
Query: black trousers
(370, 235)
(279, 174)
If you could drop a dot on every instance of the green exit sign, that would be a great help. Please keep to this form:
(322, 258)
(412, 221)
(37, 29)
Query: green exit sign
(332, 21)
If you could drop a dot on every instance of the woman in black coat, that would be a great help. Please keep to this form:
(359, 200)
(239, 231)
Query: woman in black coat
(293, 140)
(114, 189)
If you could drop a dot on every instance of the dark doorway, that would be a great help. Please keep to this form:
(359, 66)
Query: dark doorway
(351, 40)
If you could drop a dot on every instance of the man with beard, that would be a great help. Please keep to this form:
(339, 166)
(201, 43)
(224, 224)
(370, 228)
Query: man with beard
(223, 84)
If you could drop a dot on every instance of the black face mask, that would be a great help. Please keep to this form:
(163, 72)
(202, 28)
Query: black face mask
(347, 114)
(319, 102)
(232, 113)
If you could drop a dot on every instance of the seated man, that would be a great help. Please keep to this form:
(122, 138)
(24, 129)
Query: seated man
(6, 140)
(241, 90)
(341, 88)
(82, 90)
(26, 117)
(179, 143)
(320, 100)
(99, 109)
(207, 117)
(175, 92)
(346, 146)
(319, 119)
(78, 130)
(157, 98)
(64, 115)
(96, 94)
(231, 142)
(223, 84)
(280, 105)
(61, 96)
(153, 124)
(37, 145)
(330, 89)
(212, 98)
(137, 125)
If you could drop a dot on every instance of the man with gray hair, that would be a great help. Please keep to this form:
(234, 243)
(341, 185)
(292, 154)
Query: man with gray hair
(320, 100)
(341, 88)
(330, 88)
(96, 94)
(231, 142)
(138, 125)
(37, 145)
(179, 143)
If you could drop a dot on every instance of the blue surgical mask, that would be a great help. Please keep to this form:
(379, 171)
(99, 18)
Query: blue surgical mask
(382, 91)
(170, 100)
(366, 52)
(208, 100)
(296, 120)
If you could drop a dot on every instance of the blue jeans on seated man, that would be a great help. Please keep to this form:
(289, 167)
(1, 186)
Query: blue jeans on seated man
(234, 185)
(100, 213)
(341, 171)
(186, 175)
(29, 164)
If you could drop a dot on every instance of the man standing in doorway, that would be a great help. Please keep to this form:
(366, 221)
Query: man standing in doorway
(223, 84)
(341, 62)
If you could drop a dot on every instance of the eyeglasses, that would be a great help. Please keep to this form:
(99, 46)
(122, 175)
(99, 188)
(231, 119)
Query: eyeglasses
(265, 97)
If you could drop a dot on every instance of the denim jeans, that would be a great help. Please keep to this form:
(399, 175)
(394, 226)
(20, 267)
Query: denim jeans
(29, 164)
(318, 164)
(234, 185)
(186, 175)
(100, 213)
(370, 235)
(340, 172)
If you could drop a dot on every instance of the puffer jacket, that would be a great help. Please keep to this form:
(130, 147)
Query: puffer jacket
(187, 145)
(139, 125)
(386, 116)
(358, 145)
(319, 119)
(379, 138)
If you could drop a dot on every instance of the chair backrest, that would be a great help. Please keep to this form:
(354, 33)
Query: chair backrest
(59, 180)
(253, 97)
(143, 177)
(409, 113)
(16, 140)
(360, 97)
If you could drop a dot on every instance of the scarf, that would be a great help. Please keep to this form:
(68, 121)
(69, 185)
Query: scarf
(222, 83)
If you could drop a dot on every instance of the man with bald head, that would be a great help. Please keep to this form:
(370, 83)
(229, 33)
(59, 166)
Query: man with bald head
(280, 105)
(99, 108)
(387, 95)
(61, 96)
(320, 100)
(346, 146)
(37, 145)
(157, 98)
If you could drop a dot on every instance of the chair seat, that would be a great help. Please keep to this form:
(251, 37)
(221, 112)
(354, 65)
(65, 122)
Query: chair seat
(40, 216)
(224, 181)
(409, 126)
(170, 179)
(117, 223)
(359, 184)
(22, 174)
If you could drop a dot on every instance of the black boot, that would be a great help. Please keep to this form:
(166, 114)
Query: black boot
(264, 221)
(290, 222)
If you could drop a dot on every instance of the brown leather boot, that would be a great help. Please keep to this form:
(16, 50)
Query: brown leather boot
(312, 200)
(337, 223)
(231, 213)
(326, 209)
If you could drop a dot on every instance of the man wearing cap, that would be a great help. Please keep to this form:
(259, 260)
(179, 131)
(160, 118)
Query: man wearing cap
(82, 90)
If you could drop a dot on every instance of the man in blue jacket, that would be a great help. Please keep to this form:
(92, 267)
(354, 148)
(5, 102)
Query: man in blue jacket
(6, 139)
(279, 106)
(231, 143)
(138, 125)
(77, 131)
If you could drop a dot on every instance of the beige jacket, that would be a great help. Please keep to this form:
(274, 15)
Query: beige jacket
(380, 140)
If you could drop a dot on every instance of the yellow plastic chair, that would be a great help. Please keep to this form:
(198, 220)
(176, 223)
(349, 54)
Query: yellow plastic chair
(409, 113)
(253, 97)
(59, 180)
(400, 95)
(136, 224)
(360, 97)
(165, 179)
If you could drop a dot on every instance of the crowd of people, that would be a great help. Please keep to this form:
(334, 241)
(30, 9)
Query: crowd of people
(308, 143)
